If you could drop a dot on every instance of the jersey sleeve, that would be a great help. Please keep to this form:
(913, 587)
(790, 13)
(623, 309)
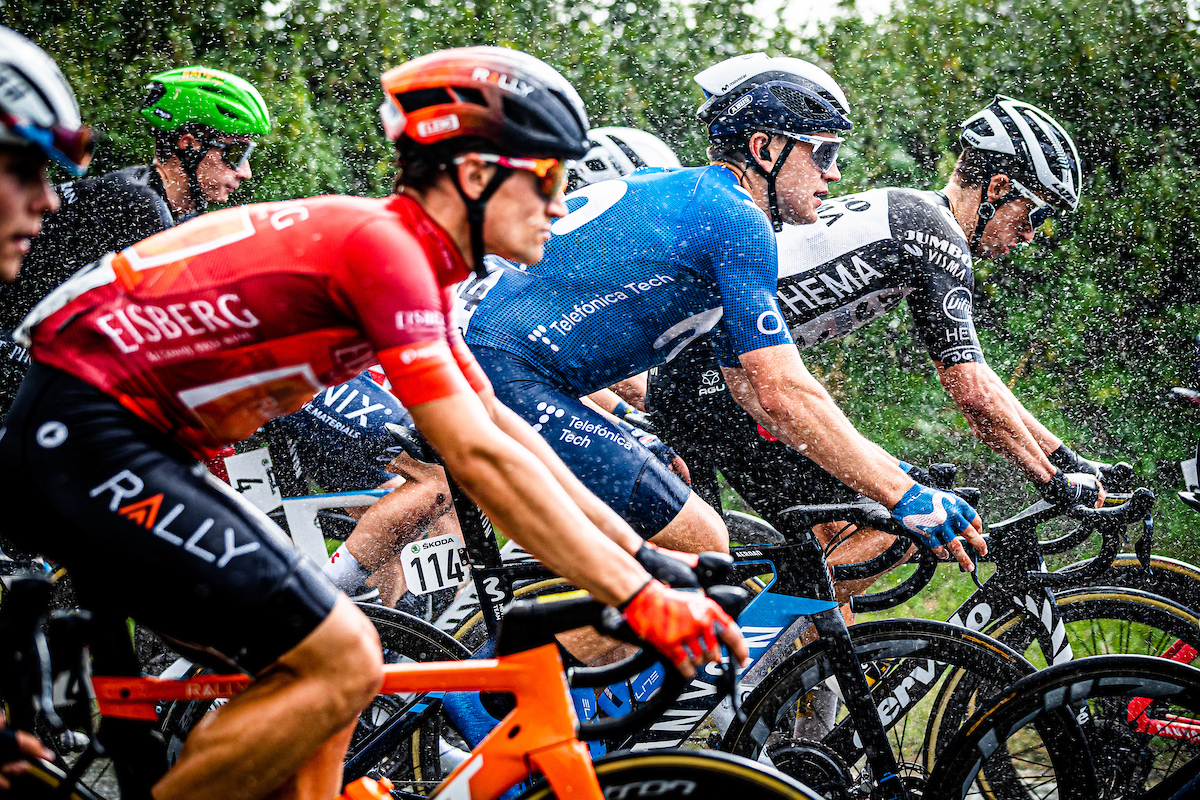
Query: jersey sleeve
(739, 246)
(939, 265)
(385, 278)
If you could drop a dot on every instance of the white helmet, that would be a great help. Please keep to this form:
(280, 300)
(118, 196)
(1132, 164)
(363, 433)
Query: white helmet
(37, 107)
(1029, 145)
(618, 151)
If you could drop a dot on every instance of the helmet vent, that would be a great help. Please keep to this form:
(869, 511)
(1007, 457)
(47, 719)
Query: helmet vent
(800, 104)
(422, 98)
(517, 114)
(628, 151)
(157, 92)
(596, 165)
(227, 112)
(470, 95)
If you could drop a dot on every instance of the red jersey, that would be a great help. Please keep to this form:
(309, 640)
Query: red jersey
(211, 328)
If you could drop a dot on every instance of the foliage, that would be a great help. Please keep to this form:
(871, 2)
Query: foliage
(1091, 331)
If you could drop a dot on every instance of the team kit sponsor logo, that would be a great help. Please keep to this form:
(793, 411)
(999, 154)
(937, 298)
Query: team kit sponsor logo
(124, 492)
(582, 310)
(132, 325)
(833, 284)
(942, 253)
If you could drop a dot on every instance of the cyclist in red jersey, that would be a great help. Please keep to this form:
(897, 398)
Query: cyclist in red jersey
(185, 342)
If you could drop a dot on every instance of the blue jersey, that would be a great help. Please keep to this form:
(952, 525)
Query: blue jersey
(639, 268)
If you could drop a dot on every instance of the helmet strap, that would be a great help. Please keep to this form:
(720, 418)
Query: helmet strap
(475, 211)
(190, 161)
(987, 209)
(772, 198)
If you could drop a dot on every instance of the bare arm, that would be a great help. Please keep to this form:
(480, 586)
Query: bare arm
(998, 419)
(777, 390)
(522, 496)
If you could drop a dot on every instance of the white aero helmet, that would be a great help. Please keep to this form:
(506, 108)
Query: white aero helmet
(1028, 144)
(37, 107)
(616, 151)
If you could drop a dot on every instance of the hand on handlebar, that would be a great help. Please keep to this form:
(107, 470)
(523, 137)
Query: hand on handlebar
(14, 745)
(937, 518)
(685, 626)
(1075, 489)
(669, 566)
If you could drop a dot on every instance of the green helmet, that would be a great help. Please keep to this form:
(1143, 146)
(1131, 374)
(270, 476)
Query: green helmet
(211, 97)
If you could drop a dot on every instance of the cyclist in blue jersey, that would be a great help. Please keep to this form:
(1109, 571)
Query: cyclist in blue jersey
(646, 264)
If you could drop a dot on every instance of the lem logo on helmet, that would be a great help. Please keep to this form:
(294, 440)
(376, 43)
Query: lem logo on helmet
(505, 82)
(432, 127)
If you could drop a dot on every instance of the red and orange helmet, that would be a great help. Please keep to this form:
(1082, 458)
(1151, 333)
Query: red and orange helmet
(518, 103)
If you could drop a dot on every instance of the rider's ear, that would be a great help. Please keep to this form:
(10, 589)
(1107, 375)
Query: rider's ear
(760, 144)
(473, 174)
(999, 186)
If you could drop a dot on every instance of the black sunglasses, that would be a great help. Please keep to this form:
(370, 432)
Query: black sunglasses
(234, 154)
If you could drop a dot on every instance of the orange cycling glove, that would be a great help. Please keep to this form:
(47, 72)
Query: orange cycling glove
(675, 622)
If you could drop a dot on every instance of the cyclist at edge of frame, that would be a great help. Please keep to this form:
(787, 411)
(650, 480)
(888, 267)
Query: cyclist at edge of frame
(268, 303)
(39, 123)
(647, 263)
(868, 251)
(204, 122)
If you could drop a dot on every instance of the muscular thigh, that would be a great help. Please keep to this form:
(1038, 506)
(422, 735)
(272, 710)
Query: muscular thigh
(145, 530)
(617, 468)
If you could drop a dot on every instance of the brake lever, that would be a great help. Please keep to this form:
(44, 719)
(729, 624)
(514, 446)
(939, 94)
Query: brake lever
(1145, 544)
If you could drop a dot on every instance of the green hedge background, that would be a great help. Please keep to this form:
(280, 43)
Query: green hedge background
(1091, 330)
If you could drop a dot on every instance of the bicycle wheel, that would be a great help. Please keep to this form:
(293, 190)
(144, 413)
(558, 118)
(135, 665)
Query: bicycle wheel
(44, 782)
(1138, 731)
(686, 775)
(416, 763)
(906, 662)
(1106, 620)
(1097, 621)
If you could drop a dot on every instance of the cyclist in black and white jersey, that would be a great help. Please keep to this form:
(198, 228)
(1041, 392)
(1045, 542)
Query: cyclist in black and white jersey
(204, 123)
(867, 253)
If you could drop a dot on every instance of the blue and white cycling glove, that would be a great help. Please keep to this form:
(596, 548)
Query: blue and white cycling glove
(918, 474)
(936, 517)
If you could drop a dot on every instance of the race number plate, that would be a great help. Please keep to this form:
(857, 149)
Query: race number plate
(434, 564)
(253, 477)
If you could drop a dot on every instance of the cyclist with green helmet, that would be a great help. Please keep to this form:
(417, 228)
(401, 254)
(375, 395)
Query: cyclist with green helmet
(204, 122)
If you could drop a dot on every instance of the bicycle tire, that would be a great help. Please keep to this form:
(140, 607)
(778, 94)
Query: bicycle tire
(43, 781)
(416, 764)
(1110, 762)
(686, 775)
(1107, 620)
(882, 646)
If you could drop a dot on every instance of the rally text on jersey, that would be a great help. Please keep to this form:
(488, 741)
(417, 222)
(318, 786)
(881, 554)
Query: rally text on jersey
(132, 325)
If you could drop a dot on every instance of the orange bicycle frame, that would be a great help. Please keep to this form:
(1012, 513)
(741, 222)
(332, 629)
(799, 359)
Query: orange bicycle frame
(537, 736)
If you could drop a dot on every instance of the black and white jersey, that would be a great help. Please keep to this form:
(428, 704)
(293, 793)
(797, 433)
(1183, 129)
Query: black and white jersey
(865, 254)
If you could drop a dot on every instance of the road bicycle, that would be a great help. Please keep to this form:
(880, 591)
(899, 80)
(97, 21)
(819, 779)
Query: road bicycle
(539, 737)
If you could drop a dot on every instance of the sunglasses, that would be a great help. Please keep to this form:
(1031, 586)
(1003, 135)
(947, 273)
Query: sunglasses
(551, 172)
(234, 154)
(1041, 210)
(824, 150)
(70, 149)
